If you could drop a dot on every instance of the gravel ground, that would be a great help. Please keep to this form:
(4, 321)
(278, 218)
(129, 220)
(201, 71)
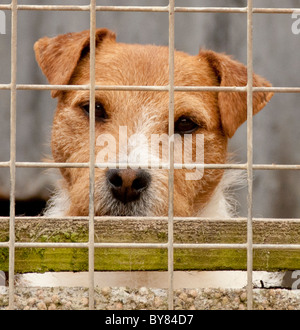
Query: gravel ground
(149, 299)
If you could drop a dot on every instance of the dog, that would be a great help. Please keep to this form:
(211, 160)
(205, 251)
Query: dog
(137, 116)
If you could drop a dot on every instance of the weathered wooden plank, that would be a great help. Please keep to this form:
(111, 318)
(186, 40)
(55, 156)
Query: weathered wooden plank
(130, 231)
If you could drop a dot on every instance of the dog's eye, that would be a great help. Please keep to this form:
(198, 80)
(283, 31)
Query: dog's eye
(100, 112)
(185, 125)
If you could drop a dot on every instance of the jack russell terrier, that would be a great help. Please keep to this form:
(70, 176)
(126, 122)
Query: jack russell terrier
(129, 122)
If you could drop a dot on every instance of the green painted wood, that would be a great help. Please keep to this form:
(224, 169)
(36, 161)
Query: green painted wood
(120, 231)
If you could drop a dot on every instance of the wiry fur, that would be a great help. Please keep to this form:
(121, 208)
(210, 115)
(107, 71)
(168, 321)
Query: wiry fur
(65, 60)
(58, 203)
(221, 205)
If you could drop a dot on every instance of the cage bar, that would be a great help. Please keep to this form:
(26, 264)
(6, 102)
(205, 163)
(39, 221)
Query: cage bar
(152, 88)
(171, 155)
(268, 167)
(241, 10)
(92, 153)
(250, 154)
(13, 114)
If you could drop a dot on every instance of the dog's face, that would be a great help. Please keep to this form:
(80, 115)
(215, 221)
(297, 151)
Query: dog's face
(129, 124)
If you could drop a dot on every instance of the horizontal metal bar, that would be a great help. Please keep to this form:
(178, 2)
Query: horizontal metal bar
(238, 246)
(147, 218)
(87, 8)
(154, 166)
(275, 167)
(122, 245)
(96, 245)
(5, 87)
(275, 10)
(5, 164)
(97, 87)
(277, 89)
(276, 246)
(45, 245)
(125, 88)
(129, 165)
(45, 165)
(207, 246)
(235, 10)
(132, 245)
(152, 9)
(210, 89)
(152, 88)
(164, 9)
(211, 9)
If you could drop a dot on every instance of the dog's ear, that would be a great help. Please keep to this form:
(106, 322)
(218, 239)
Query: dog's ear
(59, 56)
(233, 105)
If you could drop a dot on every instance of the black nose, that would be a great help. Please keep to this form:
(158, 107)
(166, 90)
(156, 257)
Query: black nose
(128, 184)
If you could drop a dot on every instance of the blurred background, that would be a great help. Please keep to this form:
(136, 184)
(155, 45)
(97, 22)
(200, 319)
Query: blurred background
(276, 57)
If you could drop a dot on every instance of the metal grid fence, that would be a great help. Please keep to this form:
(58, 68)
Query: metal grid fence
(13, 87)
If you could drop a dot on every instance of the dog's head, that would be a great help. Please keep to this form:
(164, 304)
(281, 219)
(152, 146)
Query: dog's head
(132, 126)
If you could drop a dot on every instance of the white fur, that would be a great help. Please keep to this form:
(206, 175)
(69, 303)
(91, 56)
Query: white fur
(221, 204)
(58, 204)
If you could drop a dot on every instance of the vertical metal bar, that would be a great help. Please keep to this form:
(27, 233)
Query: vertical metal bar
(171, 156)
(13, 110)
(92, 152)
(250, 153)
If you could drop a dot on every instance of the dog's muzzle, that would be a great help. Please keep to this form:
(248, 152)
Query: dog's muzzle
(127, 185)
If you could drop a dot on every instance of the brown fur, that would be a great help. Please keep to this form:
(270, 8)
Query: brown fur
(65, 60)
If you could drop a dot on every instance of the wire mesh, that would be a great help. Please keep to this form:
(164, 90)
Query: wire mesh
(171, 9)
